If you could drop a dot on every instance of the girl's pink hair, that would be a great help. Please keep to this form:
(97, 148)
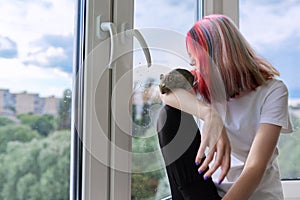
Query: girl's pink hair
(219, 46)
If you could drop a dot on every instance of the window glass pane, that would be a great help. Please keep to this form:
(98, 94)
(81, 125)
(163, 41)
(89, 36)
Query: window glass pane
(36, 49)
(271, 26)
(160, 22)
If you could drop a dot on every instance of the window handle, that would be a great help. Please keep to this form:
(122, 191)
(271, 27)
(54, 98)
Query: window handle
(110, 27)
(140, 38)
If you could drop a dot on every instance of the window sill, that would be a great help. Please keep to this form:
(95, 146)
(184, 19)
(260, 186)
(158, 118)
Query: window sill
(291, 189)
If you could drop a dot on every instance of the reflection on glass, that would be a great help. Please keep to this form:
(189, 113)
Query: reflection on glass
(271, 27)
(163, 25)
(35, 98)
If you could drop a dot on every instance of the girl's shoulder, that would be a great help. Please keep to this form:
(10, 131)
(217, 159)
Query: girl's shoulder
(274, 85)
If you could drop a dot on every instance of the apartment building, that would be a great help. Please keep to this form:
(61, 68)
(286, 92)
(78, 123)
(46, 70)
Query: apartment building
(50, 105)
(21, 103)
(27, 103)
(7, 102)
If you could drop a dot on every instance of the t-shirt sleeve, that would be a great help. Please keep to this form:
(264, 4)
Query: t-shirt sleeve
(275, 107)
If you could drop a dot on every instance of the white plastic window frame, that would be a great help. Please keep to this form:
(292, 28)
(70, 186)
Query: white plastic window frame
(98, 182)
(231, 9)
(95, 176)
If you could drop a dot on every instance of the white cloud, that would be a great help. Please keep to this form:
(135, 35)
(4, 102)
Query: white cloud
(165, 14)
(269, 24)
(25, 22)
(164, 25)
(17, 77)
(5, 43)
(31, 20)
(43, 57)
(53, 52)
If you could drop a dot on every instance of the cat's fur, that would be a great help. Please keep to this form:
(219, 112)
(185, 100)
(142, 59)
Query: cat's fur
(177, 78)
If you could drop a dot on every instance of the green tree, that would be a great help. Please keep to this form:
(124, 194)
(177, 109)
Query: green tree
(5, 121)
(36, 170)
(289, 151)
(54, 163)
(28, 118)
(26, 186)
(64, 111)
(19, 161)
(14, 132)
(145, 185)
(44, 124)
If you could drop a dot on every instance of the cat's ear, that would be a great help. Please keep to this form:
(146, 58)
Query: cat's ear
(161, 76)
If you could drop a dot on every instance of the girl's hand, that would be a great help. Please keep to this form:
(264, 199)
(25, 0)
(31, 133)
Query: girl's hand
(214, 137)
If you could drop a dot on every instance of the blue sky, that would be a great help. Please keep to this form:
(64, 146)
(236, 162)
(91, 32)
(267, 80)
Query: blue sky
(36, 45)
(36, 40)
(272, 27)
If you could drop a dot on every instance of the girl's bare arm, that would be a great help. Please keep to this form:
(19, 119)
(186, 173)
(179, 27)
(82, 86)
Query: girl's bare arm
(260, 153)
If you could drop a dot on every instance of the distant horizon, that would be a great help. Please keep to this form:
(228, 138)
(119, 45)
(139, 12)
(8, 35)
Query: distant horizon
(32, 92)
(294, 94)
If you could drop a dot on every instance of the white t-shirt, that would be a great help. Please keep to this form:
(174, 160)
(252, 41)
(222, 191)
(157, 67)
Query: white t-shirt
(267, 104)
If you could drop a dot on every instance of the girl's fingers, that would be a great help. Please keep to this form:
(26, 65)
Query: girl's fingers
(225, 165)
(218, 160)
(200, 153)
(206, 161)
